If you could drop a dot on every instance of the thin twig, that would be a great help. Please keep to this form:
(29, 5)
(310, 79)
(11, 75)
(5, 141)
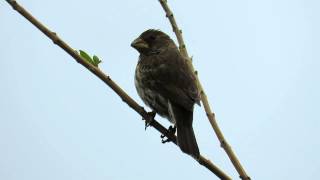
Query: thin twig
(211, 116)
(107, 80)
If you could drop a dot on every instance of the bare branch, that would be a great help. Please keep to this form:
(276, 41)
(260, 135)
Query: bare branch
(107, 80)
(211, 116)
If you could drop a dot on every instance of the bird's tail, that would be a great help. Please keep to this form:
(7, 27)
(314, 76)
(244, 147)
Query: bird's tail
(187, 140)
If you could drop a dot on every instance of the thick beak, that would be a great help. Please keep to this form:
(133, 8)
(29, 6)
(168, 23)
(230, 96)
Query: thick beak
(139, 44)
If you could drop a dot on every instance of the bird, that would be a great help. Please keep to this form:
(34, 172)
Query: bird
(167, 85)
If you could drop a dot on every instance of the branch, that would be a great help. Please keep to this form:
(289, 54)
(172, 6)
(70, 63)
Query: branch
(211, 116)
(107, 80)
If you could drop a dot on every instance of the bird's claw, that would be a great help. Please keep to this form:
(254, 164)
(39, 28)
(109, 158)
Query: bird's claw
(171, 130)
(151, 115)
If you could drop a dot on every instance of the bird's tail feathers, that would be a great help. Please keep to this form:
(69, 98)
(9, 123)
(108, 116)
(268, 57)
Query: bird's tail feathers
(186, 139)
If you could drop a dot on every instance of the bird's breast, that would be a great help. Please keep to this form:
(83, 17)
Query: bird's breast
(147, 90)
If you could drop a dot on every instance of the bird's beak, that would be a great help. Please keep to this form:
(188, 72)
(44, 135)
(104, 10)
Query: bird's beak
(139, 44)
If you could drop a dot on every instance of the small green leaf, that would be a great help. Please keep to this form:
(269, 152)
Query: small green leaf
(96, 60)
(86, 56)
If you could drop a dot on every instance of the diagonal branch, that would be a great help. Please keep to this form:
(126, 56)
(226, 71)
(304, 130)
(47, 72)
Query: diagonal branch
(210, 114)
(107, 80)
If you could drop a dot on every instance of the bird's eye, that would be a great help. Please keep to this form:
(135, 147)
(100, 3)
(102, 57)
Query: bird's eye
(152, 37)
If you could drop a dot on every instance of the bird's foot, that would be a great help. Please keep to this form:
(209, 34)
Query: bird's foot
(171, 130)
(151, 115)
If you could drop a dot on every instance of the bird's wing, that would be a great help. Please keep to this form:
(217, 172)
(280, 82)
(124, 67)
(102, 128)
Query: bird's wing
(174, 80)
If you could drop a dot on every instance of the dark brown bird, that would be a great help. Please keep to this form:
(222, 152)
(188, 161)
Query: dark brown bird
(166, 84)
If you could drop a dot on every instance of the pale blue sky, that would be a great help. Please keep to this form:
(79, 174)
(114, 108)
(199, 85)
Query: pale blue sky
(258, 62)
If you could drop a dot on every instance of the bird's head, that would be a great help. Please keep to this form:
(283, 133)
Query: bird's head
(152, 42)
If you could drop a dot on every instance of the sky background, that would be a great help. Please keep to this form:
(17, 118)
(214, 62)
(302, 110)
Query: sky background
(257, 60)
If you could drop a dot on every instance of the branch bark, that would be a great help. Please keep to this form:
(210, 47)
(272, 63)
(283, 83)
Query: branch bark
(108, 81)
(210, 114)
